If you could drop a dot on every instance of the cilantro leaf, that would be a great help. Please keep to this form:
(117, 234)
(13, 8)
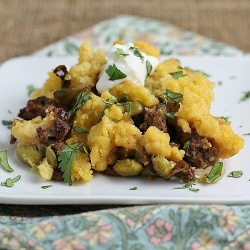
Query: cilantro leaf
(177, 74)
(66, 158)
(80, 130)
(190, 185)
(4, 161)
(6, 123)
(81, 98)
(10, 181)
(30, 89)
(215, 172)
(172, 96)
(120, 52)
(137, 53)
(246, 96)
(149, 67)
(114, 73)
(235, 174)
(45, 187)
(133, 188)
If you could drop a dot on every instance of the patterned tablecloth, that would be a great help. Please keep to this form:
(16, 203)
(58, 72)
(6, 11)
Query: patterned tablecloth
(170, 226)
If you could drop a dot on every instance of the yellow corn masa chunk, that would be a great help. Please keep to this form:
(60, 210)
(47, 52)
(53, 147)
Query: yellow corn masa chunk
(100, 142)
(147, 48)
(115, 129)
(135, 93)
(52, 84)
(83, 74)
(156, 142)
(220, 133)
(25, 131)
(81, 168)
(45, 170)
(86, 117)
(89, 66)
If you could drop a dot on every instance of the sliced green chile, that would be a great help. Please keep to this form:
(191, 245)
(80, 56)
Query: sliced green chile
(163, 167)
(133, 108)
(128, 167)
(29, 154)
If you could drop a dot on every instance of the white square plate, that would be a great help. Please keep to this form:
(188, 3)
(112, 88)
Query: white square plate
(232, 77)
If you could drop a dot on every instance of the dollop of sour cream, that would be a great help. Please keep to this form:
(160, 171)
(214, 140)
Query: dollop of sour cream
(125, 63)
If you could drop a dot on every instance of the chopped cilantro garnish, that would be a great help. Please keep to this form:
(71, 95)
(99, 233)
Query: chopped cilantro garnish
(149, 67)
(45, 187)
(215, 172)
(247, 134)
(114, 73)
(177, 74)
(235, 174)
(226, 118)
(4, 161)
(172, 96)
(66, 158)
(80, 130)
(10, 181)
(137, 53)
(120, 52)
(30, 89)
(186, 146)
(81, 98)
(133, 188)
(124, 98)
(170, 114)
(246, 96)
(6, 123)
(190, 185)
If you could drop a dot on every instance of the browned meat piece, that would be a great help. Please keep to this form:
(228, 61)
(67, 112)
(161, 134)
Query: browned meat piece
(36, 107)
(57, 132)
(57, 175)
(200, 153)
(184, 171)
(155, 116)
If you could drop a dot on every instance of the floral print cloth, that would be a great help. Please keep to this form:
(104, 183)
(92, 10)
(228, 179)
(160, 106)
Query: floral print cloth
(170, 226)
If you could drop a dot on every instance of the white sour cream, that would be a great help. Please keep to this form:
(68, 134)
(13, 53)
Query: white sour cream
(133, 63)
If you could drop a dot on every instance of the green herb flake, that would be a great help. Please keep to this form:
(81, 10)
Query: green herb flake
(137, 53)
(4, 161)
(170, 115)
(186, 146)
(247, 134)
(120, 52)
(30, 89)
(9, 182)
(6, 123)
(114, 73)
(133, 188)
(219, 83)
(45, 187)
(176, 75)
(66, 158)
(124, 98)
(149, 67)
(225, 118)
(246, 96)
(235, 174)
(215, 172)
(173, 96)
(80, 130)
(81, 98)
(189, 185)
